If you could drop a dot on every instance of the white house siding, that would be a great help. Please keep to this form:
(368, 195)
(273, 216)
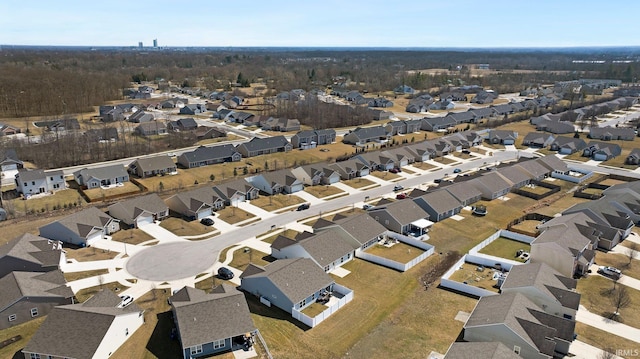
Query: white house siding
(93, 237)
(203, 213)
(263, 287)
(33, 187)
(121, 329)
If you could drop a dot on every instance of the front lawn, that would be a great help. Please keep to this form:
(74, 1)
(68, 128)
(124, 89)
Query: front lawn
(597, 295)
(444, 160)
(71, 276)
(620, 261)
(289, 233)
(359, 182)
(424, 166)
(506, 248)
(180, 227)
(242, 258)
(321, 191)
(89, 254)
(601, 339)
(234, 215)
(385, 175)
(131, 236)
(83, 294)
(275, 202)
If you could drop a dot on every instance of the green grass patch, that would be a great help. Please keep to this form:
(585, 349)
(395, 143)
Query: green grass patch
(506, 248)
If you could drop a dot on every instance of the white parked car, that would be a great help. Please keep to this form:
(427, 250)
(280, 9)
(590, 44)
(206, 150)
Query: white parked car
(126, 300)
(610, 271)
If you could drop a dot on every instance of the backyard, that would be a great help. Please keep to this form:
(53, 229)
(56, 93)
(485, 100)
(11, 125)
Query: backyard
(530, 226)
(99, 194)
(506, 248)
(476, 276)
(399, 252)
(66, 198)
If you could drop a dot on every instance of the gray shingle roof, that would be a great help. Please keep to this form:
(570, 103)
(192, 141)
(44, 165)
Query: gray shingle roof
(203, 318)
(203, 153)
(463, 191)
(259, 144)
(442, 200)
(31, 248)
(84, 221)
(151, 203)
(480, 350)
(103, 172)
(154, 163)
(17, 285)
(296, 278)
(405, 211)
(329, 245)
(26, 175)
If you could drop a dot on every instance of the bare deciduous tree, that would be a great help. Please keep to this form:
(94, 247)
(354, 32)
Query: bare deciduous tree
(606, 353)
(620, 299)
(632, 251)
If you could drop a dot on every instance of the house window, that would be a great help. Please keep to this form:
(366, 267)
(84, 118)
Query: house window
(218, 344)
(12, 317)
(35, 356)
(196, 350)
(302, 304)
(33, 183)
(516, 349)
(326, 268)
(34, 312)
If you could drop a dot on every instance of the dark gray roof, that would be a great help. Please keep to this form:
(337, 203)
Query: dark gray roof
(17, 285)
(295, 278)
(103, 172)
(281, 177)
(463, 191)
(258, 144)
(75, 321)
(228, 189)
(515, 174)
(282, 242)
(480, 350)
(83, 222)
(564, 232)
(370, 132)
(204, 318)
(8, 155)
(534, 168)
(32, 248)
(203, 153)
(547, 280)
(329, 244)
(553, 163)
(493, 181)
(442, 200)
(151, 203)
(26, 175)
(154, 163)
(404, 212)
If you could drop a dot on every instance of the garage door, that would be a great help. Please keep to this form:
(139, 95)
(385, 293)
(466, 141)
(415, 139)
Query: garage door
(94, 237)
(142, 220)
(203, 213)
(235, 201)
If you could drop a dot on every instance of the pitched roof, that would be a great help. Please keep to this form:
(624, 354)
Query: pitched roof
(17, 285)
(564, 231)
(103, 172)
(282, 177)
(203, 153)
(442, 200)
(151, 203)
(403, 211)
(32, 248)
(534, 168)
(480, 350)
(553, 163)
(493, 181)
(147, 164)
(26, 175)
(204, 318)
(258, 144)
(515, 174)
(94, 316)
(369, 132)
(329, 245)
(547, 280)
(295, 278)
(83, 222)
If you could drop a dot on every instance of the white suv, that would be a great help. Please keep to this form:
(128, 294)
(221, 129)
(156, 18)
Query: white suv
(610, 271)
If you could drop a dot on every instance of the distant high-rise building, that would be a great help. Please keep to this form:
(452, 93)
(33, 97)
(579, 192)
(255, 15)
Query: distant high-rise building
(140, 44)
(155, 42)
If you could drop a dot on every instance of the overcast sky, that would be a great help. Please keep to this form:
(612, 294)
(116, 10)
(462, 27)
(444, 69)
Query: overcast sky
(350, 23)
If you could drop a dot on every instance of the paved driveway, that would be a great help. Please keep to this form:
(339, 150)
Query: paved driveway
(608, 325)
(159, 233)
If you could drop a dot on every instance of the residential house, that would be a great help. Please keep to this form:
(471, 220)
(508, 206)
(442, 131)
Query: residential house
(109, 325)
(193, 109)
(210, 323)
(437, 123)
(7, 130)
(566, 244)
(463, 117)
(567, 145)
(419, 151)
(395, 127)
(81, 228)
(534, 169)
(205, 133)
(379, 115)
(31, 253)
(241, 117)
(151, 128)
(480, 350)
(518, 323)
(363, 228)
(281, 124)
(61, 125)
(398, 156)
(612, 133)
(262, 146)
(101, 176)
(553, 164)
(107, 134)
(601, 151)
(152, 166)
(442, 105)
(634, 157)
(454, 95)
(316, 174)
(556, 127)
(204, 156)
(311, 138)
(140, 210)
(9, 161)
(364, 135)
(465, 192)
(329, 248)
(282, 181)
(30, 295)
(195, 204)
(503, 137)
(537, 139)
(484, 97)
(546, 287)
(350, 169)
(492, 185)
(516, 175)
(483, 113)
(31, 182)
(503, 109)
(404, 90)
(289, 284)
(183, 124)
(236, 191)
(440, 204)
(141, 116)
(403, 217)
(442, 146)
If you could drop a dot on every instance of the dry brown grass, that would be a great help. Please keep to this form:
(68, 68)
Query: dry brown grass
(276, 202)
(528, 226)
(180, 227)
(60, 199)
(323, 191)
(424, 166)
(444, 160)
(470, 275)
(98, 194)
(620, 261)
(30, 224)
(506, 248)
(234, 215)
(399, 252)
(241, 259)
(358, 182)
(601, 339)
(131, 236)
(71, 276)
(89, 254)
(26, 331)
(597, 295)
(289, 233)
(386, 175)
(83, 294)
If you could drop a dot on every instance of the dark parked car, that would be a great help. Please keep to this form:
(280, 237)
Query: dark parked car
(225, 273)
(457, 170)
(207, 221)
(401, 196)
(303, 206)
(395, 170)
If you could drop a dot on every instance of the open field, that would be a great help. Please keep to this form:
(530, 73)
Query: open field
(131, 236)
(180, 227)
(234, 215)
(506, 248)
(276, 202)
(321, 191)
(89, 254)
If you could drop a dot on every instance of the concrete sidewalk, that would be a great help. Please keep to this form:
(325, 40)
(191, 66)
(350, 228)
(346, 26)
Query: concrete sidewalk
(309, 198)
(608, 325)
(345, 188)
